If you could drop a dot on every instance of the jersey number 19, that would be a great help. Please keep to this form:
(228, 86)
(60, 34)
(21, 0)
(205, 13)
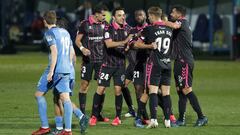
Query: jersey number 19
(66, 45)
(163, 44)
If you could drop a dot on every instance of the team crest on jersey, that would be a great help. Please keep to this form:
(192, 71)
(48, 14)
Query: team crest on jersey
(106, 35)
(49, 38)
(125, 33)
(89, 27)
(115, 33)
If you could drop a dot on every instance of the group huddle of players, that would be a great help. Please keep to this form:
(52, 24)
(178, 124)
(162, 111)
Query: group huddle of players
(149, 48)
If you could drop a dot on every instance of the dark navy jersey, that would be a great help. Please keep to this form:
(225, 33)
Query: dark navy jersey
(92, 39)
(182, 42)
(161, 35)
(134, 55)
(115, 57)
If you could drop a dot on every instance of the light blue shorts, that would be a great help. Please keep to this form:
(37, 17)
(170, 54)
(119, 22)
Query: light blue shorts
(60, 82)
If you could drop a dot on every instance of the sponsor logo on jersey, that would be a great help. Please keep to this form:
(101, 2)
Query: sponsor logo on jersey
(106, 35)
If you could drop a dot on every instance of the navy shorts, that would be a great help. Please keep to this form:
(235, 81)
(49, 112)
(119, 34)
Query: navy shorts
(183, 74)
(106, 73)
(87, 71)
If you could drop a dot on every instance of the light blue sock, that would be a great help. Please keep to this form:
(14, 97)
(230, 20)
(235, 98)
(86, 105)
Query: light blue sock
(77, 112)
(42, 110)
(68, 114)
(59, 122)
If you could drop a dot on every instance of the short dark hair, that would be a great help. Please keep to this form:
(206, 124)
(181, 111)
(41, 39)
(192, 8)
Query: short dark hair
(157, 11)
(116, 9)
(181, 9)
(50, 17)
(99, 9)
(139, 10)
(62, 22)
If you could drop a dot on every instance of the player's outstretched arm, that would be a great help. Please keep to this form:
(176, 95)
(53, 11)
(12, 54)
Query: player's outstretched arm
(111, 44)
(141, 45)
(174, 25)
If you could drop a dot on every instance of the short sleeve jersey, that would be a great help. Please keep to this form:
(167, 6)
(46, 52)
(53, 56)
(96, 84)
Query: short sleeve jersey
(182, 42)
(115, 57)
(61, 38)
(161, 35)
(92, 39)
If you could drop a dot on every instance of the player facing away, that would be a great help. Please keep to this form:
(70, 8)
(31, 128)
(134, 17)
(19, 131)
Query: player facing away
(57, 73)
(89, 39)
(183, 67)
(83, 119)
(116, 37)
(158, 68)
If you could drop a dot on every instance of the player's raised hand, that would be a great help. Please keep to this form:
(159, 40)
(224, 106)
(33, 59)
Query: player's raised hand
(154, 45)
(86, 52)
(130, 36)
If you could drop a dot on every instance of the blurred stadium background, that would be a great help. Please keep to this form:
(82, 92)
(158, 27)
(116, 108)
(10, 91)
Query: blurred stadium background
(216, 30)
(215, 23)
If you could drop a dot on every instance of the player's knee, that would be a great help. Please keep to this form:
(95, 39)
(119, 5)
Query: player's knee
(38, 94)
(65, 97)
(165, 92)
(165, 89)
(144, 97)
(84, 86)
(118, 92)
(186, 90)
(100, 90)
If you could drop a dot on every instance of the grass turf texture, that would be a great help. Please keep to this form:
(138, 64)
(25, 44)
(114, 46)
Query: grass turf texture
(216, 83)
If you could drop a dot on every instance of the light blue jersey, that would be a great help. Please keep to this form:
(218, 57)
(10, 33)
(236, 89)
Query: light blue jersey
(61, 38)
(61, 78)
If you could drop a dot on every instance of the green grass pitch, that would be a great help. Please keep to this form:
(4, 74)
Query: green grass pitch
(216, 83)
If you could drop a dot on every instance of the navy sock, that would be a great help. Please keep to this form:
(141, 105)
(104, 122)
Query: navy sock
(82, 101)
(102, 98)
(182, 104)
(118, 105)
(127, 96)
(160, 100)
(96, 104)
(195, 104)
(153, 103)
(166, 105)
